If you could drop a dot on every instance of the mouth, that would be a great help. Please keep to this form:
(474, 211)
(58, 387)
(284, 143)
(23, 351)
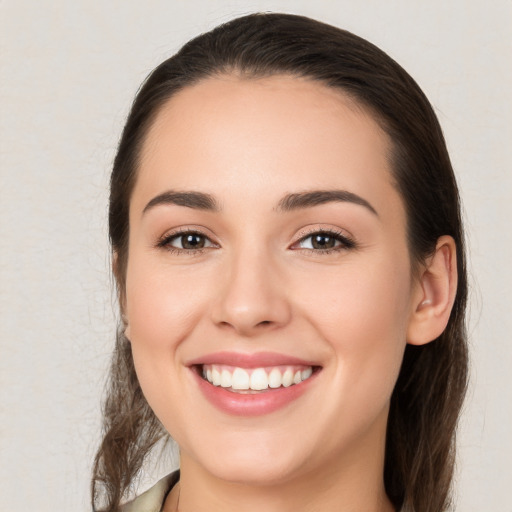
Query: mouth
(250, 385)
(255, 380)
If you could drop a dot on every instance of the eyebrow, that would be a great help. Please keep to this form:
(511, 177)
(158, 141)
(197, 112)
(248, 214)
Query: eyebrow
(318, 197)
(196, 200)
(290, 202)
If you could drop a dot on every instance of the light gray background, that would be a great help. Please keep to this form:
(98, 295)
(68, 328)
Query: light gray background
(69, 71)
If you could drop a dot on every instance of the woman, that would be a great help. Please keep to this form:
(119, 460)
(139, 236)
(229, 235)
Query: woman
(289, 257)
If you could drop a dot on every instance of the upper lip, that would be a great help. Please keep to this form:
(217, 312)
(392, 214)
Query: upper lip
(256, 360)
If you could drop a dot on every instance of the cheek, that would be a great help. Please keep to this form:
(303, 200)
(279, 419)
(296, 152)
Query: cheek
(359, 299)
(161, 305)
(363, 314)
(162, 310)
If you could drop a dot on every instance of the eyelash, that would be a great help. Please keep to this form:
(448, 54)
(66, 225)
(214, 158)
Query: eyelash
(345, 242)
(165, 242)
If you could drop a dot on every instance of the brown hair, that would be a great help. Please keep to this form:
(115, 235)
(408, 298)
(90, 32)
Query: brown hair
(428, 395)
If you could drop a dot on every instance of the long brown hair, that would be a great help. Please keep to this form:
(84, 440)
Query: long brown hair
(428, 395)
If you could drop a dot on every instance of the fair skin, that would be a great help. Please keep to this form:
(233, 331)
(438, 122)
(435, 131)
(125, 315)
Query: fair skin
(329, 284)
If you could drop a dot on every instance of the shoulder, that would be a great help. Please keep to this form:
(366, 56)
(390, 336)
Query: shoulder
(153, 499)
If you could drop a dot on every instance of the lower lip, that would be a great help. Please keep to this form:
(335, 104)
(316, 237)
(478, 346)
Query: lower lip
(242, 404)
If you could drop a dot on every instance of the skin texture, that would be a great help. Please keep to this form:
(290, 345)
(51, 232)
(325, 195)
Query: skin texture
(260, 286)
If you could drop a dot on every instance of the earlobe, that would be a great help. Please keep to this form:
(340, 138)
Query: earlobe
(434, 295)
(121, 294)
(126, 331)
(115, 266)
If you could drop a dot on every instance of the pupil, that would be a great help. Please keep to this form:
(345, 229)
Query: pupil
(193, 242)
(323, 242)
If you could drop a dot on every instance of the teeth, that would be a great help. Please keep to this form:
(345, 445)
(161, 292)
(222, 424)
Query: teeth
(225, 379)
(257, 379)
(215, 380)
(305, 374)
(275, 379)
(287, 378)
(240, 379)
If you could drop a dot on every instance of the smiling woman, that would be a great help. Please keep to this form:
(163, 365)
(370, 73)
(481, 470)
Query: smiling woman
(289, 257)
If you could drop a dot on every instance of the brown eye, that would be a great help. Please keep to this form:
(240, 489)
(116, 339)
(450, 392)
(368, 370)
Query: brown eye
(325, 241)
(189, 241)
(322, 241)
(192, 241)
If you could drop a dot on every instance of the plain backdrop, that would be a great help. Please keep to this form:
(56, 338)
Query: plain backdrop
(69, 71)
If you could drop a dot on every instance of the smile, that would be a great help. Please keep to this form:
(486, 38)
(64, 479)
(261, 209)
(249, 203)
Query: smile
(253, 384)
(244, 380)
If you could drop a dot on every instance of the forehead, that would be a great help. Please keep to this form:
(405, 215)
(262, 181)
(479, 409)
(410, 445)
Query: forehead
(261, 136)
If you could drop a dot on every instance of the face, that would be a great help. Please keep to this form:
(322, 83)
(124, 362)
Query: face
(268, 285)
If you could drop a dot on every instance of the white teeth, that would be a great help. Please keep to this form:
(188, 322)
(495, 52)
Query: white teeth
(240, 379)
(287, 378)
(257, 379)
(215, 377)
(225, 379)
(305, 374)
(275, 379)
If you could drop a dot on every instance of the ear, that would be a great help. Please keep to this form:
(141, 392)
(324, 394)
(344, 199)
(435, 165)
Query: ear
(120, 293)
(434, 294)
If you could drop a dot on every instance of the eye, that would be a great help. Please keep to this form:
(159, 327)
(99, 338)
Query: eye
(186, 241)
(324, 241)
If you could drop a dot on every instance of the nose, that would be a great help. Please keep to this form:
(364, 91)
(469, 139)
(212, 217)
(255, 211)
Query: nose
(252, 298)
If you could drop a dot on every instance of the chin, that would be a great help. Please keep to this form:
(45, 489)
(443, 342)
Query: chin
(251, 459)
(255, 473)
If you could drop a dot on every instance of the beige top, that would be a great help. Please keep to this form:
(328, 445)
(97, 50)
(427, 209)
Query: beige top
(153, 499)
